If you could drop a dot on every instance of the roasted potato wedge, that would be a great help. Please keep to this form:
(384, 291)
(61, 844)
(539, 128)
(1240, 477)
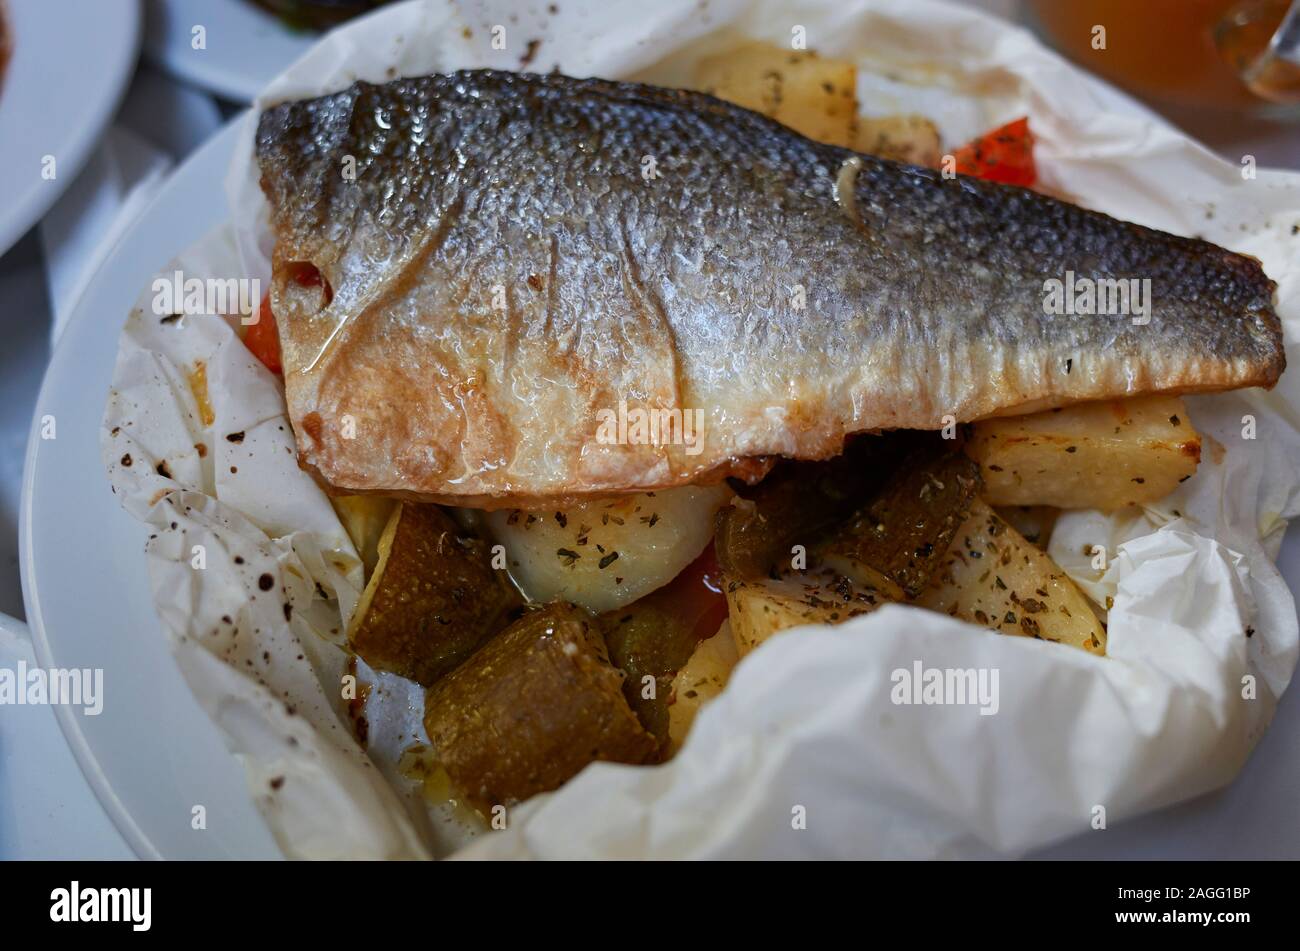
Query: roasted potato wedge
(904, 138)
(759, 609)
(814, 96)
(1102, 455)
(992, 577)
(433, 598)
(702, 678)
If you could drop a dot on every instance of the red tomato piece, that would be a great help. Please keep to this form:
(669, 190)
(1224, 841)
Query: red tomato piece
(696, 595)
(1004, 155)
(262, 338)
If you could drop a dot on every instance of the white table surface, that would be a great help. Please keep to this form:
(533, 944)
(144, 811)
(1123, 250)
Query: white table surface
(47, 811)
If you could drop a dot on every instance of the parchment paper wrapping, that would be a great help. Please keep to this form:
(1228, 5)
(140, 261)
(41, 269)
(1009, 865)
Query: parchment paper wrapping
(806, 728)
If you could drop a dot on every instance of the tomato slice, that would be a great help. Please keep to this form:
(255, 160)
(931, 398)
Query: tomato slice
(696, 595)
(262, 338)
(1004, 155)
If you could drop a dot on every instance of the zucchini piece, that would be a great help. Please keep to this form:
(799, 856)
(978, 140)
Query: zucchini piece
(530, 709)
(432, 599)
(800, 500)
(897, 541)
(655, 636)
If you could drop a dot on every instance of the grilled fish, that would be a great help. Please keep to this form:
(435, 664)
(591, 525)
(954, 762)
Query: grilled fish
(498, 289)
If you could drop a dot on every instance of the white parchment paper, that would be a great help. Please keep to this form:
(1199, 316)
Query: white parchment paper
(805, 753)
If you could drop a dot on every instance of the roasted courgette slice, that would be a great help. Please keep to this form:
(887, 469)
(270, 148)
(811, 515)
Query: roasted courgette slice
(432, 599)
(799, 501)
(531, 708)
(899, 539)
(652, 639)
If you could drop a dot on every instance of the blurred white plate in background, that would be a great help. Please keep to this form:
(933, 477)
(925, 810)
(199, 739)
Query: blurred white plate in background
(152, 754)
(70, 65)
(244, 47)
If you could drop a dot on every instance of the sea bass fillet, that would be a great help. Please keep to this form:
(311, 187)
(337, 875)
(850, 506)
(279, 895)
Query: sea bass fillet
(501, 289)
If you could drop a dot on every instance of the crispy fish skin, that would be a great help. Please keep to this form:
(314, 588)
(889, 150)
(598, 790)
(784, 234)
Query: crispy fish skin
(503, 268)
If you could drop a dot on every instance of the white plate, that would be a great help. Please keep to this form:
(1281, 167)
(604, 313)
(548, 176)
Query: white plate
(70, 65)
(152, 755)
(245, 47)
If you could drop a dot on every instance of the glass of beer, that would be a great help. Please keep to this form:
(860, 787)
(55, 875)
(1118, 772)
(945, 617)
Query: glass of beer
(1223, 55)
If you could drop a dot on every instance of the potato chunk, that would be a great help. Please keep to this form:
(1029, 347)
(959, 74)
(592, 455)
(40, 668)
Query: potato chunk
(992, 577)
(800, 501)
(702, 678)
(759, 609)
(903, 138)
(885, 510)
(1094, 455)
(816, 97)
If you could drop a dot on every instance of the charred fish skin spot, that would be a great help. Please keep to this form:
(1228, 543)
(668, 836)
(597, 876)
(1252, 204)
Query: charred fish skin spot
(674, 292)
